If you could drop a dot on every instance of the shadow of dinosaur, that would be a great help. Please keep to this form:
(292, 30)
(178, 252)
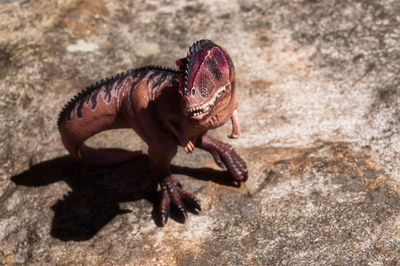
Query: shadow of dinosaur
(96, 191)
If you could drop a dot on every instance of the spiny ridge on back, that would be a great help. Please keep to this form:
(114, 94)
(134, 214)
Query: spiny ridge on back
(88, 90)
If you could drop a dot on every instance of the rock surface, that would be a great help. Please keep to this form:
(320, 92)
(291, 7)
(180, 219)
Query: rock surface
(319, 101)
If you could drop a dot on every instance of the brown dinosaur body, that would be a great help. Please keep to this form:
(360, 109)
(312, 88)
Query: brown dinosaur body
(166, 108)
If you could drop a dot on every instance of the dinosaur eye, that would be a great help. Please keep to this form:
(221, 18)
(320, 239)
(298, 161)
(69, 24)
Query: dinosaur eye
(193, 91)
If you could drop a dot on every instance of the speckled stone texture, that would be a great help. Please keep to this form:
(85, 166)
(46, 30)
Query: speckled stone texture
(319, 90)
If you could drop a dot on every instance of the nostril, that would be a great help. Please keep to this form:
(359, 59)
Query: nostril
(193, 91)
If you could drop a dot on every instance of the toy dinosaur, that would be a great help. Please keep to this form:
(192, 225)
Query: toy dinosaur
(166, 108)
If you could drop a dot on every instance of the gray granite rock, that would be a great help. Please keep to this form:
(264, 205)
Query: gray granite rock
(319, 103)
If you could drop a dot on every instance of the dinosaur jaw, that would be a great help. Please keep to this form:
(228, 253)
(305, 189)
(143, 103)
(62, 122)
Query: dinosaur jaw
(200, 111)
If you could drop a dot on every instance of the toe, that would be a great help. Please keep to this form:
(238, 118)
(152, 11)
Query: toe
(164, 207)
(183, 214)
(191, 201)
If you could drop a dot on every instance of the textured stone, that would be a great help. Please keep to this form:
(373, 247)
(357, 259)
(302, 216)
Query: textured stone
(319, 103)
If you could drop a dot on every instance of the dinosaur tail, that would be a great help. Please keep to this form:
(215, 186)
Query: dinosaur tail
(96, 109)
(105, 156)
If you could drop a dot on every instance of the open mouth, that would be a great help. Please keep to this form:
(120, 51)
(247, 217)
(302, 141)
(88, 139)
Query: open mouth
(198, 111)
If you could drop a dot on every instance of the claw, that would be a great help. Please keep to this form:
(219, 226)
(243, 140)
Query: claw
(189, 147)
(164, 219)
(173, 194)
(233, 136)
(237, 183)
(217, 159)
(221, 165)
(164, 206)
(192, 201)
(245, 176)
(184, 214)
(197, 206)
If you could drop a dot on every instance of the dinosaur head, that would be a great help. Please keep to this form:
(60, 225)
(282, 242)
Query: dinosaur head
(207, 75)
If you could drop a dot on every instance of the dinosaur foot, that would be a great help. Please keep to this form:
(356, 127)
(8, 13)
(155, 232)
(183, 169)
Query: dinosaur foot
(225, 155)
(173, 195)
(236, 166)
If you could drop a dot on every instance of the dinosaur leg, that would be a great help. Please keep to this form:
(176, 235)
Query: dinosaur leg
(172, 193)
(162, 149)
(223, 153)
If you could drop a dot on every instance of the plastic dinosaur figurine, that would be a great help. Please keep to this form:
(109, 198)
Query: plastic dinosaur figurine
(166, 108)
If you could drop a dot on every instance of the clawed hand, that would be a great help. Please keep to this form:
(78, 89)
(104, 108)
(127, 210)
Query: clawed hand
(189, 147)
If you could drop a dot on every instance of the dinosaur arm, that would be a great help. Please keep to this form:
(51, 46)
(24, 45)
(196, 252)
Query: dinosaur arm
(171, 117)
(183, 140)
(235, 125)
